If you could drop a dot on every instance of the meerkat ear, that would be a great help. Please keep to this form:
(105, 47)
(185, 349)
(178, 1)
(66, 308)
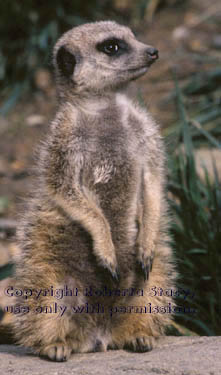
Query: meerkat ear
(66, 61)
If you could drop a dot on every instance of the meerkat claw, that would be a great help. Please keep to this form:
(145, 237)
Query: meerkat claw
(144, 270)
(116, 275)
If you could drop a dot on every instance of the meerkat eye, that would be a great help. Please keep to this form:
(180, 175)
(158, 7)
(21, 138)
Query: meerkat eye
(112, 47)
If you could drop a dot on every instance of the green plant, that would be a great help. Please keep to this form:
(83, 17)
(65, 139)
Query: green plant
(196, 231)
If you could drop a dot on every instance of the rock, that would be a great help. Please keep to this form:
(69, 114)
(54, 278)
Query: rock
(35, 120)
(4, 255)
(205, 159)
(43, 79)
(173, 356)
(7, 253)
(122, 4)
(4, 124)
(180, 33)
(216, 41)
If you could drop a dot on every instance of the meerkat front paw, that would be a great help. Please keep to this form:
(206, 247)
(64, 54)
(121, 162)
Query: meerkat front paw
(141, 344)
(56, 352)
(144, 260)
(107, 259)
(112, 268)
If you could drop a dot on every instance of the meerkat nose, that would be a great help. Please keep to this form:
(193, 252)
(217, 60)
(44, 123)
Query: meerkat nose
(152, 53)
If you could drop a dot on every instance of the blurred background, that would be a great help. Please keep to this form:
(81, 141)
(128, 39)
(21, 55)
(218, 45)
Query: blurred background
(182, 91)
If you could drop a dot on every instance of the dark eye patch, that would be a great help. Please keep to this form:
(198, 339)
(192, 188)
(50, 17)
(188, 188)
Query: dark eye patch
(66, 61)
(113, 47)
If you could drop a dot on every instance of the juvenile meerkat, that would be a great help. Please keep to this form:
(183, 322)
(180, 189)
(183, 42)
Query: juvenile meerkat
(98, 218)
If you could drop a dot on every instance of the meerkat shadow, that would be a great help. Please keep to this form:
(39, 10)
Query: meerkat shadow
(16, 351)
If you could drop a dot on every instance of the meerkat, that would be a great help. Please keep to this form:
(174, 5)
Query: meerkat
(98, 218)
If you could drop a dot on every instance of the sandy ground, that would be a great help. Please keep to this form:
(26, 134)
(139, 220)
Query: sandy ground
(173, 356)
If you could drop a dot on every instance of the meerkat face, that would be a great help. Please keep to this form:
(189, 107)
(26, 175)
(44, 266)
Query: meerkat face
(100, 56)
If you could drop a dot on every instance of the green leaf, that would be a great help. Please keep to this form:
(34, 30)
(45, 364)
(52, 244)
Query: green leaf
(197, 251)
(6, 271)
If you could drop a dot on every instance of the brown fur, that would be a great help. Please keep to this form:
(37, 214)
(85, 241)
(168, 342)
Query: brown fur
(99, 216)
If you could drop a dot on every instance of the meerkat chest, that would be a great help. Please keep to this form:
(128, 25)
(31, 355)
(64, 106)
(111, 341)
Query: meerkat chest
(105, 147)
(137, 122)
(103, 135)
(120, 127)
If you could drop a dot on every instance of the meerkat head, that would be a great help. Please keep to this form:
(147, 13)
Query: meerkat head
(99, 57)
